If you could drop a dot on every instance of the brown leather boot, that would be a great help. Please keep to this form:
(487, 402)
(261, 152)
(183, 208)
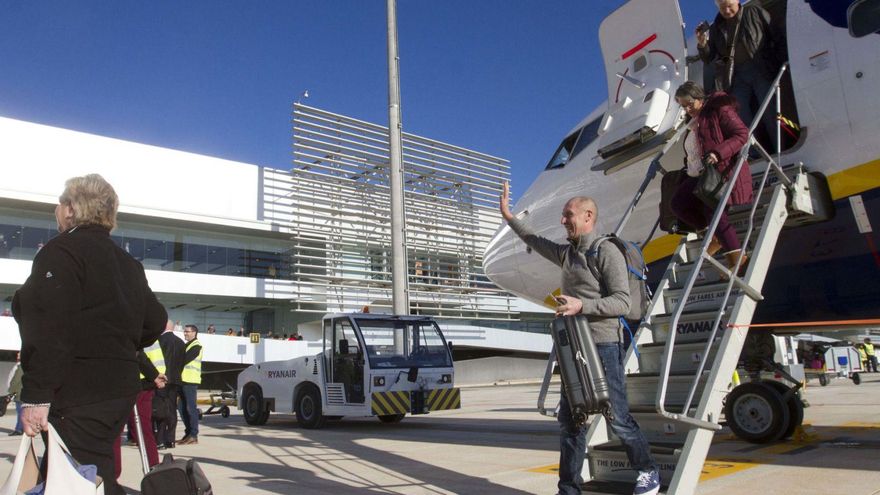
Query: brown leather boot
(732, 256)
(714, 246)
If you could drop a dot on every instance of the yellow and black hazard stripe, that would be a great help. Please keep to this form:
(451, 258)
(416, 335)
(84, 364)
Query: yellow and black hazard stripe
(385, 403)
(444, 398)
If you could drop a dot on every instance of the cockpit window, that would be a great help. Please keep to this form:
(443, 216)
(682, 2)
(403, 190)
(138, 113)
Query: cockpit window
(574, 144)
(563, 153)
(588, 134)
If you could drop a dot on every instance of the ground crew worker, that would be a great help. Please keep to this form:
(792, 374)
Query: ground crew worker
(872, 358)
(863, 356)
(191, 378)
(152, 366)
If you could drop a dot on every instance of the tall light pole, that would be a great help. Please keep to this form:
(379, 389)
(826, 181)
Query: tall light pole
(399, 274)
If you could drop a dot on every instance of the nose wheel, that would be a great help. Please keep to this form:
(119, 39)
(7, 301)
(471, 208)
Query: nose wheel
(757, 413)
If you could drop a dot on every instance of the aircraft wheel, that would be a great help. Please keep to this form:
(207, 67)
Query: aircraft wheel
(795, 408)
(857, 378)
(756, 413)
(823, 380)
(391, 418)
(308, 409)
(255, 411)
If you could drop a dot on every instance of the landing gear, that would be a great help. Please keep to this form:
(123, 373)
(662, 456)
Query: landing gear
(795, 407)
(757, 413)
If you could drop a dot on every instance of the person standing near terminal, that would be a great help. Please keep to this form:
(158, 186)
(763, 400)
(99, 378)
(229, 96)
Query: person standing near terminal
(872, 357)
(191, 378)
(83, 314)
(15, 390)
(165, 400)
(152, 365)
(582, 294)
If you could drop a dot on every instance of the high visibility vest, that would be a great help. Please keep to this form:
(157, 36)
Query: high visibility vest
(869, 348)
(862, 354)
(192, 371)
(154, 354)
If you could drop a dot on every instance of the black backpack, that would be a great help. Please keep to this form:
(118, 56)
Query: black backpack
(176, 477)
(637, 271)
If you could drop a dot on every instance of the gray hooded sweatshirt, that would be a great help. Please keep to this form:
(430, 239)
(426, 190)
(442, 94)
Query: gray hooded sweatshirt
(604, 301)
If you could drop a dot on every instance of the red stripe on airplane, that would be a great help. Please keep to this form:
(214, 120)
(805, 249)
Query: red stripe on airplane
(629, 53)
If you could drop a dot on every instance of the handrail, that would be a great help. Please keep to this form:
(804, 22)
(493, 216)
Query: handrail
(666, 364)
(653, 168)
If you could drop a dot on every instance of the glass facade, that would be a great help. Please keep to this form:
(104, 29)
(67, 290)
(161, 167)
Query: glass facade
(22, 234)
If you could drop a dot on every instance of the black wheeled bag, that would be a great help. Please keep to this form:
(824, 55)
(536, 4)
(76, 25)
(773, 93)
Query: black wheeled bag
(669, 222)
(176, 477)
(583, 377)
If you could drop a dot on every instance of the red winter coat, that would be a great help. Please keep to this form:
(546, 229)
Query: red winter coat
(721, 131)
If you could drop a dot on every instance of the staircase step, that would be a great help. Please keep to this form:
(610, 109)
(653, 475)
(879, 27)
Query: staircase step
(658, 429)
(708, 274)
(599, 487)
(692, 326)
(608, 462)
(703, 298)
(685, 357)
(641, 389)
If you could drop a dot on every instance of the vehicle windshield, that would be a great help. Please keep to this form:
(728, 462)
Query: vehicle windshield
(404, 344)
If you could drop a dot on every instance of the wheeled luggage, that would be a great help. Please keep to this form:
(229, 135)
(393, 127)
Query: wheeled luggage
(668, 186)
(176, 476)
(583, 378)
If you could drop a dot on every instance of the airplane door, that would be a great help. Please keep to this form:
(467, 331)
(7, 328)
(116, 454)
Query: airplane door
(644, 50)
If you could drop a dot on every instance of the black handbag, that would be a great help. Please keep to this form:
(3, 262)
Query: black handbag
(710, 185)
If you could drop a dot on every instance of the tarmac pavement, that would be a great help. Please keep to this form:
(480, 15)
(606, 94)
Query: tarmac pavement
(498, 443)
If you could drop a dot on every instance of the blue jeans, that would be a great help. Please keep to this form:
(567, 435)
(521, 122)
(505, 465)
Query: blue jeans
(573, 440)
(749, 81)
(18, 425)
(188, 411)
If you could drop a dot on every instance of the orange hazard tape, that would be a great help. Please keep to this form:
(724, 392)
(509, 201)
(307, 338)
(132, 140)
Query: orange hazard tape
(810, 324)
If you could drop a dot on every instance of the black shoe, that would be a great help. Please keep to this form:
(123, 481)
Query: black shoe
(15, 433)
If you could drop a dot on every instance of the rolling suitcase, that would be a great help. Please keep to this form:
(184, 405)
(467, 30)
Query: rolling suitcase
(668, 186)
(583, 378)
(171, 476)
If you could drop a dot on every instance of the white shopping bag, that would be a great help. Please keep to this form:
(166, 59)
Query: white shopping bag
(62, 478)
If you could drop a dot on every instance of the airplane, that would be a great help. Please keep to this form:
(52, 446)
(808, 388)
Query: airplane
(821, 274)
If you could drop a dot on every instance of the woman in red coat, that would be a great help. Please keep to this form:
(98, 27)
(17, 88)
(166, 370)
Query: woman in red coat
(715, 136)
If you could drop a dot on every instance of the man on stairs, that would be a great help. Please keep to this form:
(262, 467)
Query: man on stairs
(582, 294)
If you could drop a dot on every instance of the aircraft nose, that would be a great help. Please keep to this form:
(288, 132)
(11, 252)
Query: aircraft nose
(500, 261)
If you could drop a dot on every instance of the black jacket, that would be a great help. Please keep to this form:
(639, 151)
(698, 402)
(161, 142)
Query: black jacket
(765, 45)
(173, 349)
(83, 314)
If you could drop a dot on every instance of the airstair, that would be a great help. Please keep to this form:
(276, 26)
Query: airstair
(689, 346)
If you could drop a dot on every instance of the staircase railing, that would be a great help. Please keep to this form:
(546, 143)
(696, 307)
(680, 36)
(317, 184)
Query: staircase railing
(666, 364)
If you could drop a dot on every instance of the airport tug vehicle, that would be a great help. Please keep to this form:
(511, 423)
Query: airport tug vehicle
(371, 365)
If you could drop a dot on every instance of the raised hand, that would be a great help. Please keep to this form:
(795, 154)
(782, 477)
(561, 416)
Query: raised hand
(505, 202)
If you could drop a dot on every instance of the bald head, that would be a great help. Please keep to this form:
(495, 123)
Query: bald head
(579, 216)
(583, 203)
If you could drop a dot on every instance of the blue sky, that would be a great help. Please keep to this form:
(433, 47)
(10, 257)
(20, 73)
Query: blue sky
(218, 77)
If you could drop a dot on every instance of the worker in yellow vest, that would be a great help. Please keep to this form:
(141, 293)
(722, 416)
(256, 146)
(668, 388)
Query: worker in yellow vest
(191, 378)
(151, 362)
(872, 358)
(863, 356)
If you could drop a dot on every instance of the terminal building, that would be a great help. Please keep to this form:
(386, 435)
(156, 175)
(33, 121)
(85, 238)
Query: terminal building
(248, 248)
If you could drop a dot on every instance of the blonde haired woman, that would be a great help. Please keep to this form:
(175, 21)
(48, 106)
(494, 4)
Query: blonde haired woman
(83, 314)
